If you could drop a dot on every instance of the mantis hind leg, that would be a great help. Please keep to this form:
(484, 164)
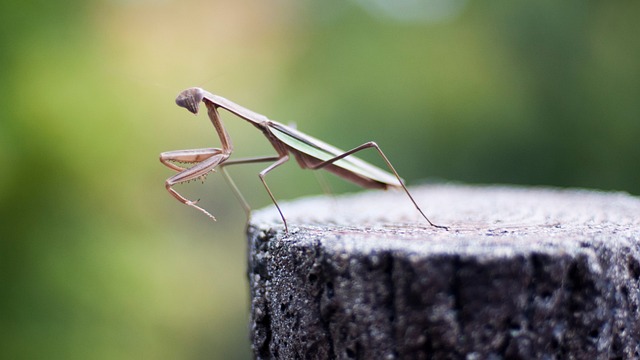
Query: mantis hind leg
(372, 144)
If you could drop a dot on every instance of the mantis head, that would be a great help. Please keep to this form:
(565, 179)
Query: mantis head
(190, 99)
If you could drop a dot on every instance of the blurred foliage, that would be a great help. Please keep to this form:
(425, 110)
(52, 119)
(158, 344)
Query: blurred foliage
(98, 261)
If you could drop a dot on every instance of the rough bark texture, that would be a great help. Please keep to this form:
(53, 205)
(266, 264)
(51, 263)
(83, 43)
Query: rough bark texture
(523, 273)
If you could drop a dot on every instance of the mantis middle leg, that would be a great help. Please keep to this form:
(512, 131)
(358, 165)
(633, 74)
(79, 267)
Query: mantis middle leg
(232, 184)
(279, 160)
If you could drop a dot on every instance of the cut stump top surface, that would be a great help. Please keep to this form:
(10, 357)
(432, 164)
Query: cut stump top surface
(481, 219)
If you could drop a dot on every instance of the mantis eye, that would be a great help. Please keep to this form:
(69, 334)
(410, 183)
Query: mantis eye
(190, 99)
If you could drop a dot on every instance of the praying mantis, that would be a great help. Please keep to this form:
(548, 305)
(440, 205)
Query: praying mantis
(309, 152)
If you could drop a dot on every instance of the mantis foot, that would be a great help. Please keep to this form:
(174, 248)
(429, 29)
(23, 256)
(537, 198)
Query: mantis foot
(193, 204)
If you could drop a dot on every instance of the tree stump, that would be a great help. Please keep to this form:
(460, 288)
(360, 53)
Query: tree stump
(526, 273)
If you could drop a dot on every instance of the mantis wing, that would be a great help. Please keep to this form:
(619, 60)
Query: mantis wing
(320, 150)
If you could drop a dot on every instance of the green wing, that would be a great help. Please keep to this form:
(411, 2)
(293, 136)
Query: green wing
(320, 150)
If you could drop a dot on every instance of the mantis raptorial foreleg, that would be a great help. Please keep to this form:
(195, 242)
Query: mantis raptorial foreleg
(186, 156)
(206, 160)
(368, 145)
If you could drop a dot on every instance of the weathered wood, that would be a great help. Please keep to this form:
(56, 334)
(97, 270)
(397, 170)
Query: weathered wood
(528, 273)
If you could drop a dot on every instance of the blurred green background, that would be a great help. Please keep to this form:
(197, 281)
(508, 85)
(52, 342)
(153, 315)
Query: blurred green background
(98, 261)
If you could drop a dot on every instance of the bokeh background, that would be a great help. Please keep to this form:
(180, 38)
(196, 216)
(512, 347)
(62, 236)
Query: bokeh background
(98, 261)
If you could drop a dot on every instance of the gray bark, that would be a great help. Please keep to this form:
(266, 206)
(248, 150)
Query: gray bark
(523, 273)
